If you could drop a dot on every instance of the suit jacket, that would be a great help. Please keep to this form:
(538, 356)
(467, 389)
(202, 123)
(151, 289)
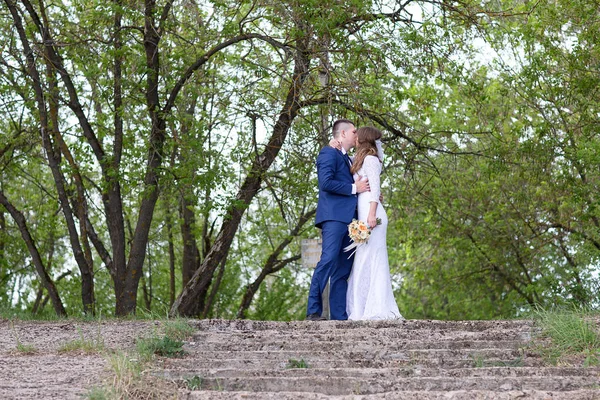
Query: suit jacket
(336, 201)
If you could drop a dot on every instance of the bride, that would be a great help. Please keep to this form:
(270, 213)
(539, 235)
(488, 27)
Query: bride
(370, 293)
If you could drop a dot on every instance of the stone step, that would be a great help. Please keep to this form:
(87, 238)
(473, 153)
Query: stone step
(387, 373)
(405, 395)
(357, 354)
(358, 385)
(370, 334)
(405, 360)
(307, 343)
(257, 363)
(429, 325)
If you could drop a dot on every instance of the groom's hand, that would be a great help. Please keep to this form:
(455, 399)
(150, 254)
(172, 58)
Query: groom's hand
(361, 186)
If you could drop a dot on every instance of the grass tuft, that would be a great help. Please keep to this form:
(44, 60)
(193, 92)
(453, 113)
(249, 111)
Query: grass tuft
(170, 344)
(93, 345)
(293, 363)
(26, 348)
(162, 346)
(572, 334)
(478, 360)
(127, 371)
(22, 348)
(193, 383)
(131, 381)
(178, 329)
(99, 393)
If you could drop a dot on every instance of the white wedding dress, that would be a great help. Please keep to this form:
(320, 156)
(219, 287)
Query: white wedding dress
(370, 294)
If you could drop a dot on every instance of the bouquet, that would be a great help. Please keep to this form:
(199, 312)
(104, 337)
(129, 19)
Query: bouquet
(359, 233)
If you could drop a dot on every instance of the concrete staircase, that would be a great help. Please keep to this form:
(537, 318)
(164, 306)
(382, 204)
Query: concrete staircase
(372, 360)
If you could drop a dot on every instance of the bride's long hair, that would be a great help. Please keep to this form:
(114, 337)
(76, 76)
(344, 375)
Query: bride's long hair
(365, 137)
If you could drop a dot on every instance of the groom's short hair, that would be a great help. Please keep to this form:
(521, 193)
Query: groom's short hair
(337, 126)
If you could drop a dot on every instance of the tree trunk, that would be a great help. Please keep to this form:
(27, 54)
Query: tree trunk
(126, 299)
(207, 302)
(35, 256)
(85, 263)
(191, 254)
(111, 197)
(45, 130)
(146, 294)
(169, 223)
(324, 80)
(3, 234)
(198, 285)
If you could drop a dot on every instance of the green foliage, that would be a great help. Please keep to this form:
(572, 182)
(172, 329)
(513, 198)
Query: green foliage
(478, 360)
(26, 315)
(508, 220)
(283, 297)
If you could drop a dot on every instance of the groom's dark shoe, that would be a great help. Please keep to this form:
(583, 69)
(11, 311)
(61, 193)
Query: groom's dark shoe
(315, 317)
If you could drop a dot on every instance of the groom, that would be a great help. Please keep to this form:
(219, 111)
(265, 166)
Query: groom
(335, 210)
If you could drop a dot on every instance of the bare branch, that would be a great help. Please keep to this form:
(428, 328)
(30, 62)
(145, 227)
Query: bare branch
(207, 56)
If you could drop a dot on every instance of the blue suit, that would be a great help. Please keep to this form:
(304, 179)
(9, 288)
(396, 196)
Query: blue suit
(335, 210)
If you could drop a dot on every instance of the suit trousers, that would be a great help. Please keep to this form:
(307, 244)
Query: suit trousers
(334, 266)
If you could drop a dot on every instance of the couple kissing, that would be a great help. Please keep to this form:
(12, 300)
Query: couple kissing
(360, 286)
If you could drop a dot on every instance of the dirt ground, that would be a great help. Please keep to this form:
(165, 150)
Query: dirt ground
(35, 362)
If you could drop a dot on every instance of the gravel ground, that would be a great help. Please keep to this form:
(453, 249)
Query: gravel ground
(34, 362)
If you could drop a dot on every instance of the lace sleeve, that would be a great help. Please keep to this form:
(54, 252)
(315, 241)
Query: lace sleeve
(372, 168)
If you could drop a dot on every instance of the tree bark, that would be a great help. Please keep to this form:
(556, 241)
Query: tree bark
(325, 79)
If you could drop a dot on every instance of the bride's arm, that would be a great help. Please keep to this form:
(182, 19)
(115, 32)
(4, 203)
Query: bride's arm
(372, 217)
(336, 145)
(372, 168)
